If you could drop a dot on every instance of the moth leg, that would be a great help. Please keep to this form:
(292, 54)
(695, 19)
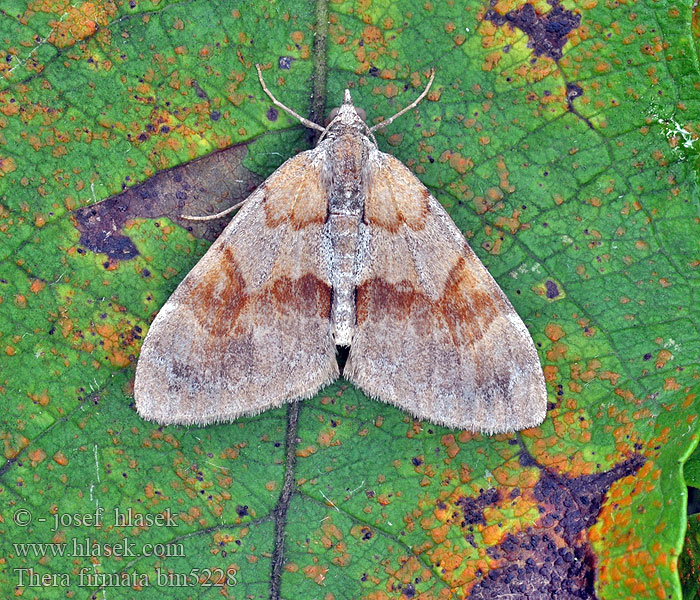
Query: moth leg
(276, 102)
(409, 107)
(218, 215)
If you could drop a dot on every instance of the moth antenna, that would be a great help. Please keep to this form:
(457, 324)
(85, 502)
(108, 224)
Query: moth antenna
(409, 107)
(223, 213)
(276, 102)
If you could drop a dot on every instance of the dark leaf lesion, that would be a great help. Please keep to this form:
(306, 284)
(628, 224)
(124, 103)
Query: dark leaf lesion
(547, 32)
(552, 558)
(202, 186)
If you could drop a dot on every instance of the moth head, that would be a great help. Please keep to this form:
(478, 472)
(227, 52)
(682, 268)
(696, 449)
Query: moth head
(347, 113)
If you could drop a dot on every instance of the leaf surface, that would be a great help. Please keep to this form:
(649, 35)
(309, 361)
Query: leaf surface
(562, 140)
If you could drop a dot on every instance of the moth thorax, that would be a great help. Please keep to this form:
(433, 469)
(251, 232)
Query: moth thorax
(346, 201)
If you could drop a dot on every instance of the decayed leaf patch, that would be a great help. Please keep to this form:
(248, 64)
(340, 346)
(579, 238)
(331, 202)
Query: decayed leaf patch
(547, 31)
(201, 187)
(552, 558)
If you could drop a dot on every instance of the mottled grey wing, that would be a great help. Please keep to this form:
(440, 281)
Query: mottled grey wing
(435, 334)
(249, 327)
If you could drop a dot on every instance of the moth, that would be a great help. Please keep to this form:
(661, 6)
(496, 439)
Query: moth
(341, 246)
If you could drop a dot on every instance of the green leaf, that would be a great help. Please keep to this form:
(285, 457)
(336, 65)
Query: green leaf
(691, 469)
(689, 563)
(562, 140)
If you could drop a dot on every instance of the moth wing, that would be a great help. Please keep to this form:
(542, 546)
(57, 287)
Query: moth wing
(435, 334)
(249, 327)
